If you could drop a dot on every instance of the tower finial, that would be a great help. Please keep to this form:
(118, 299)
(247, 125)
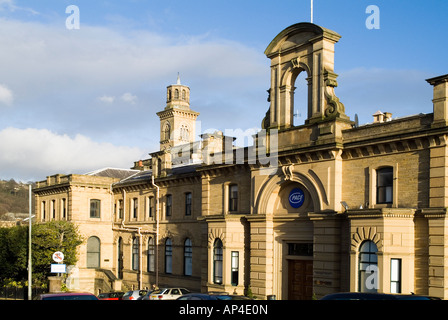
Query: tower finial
(178, 78)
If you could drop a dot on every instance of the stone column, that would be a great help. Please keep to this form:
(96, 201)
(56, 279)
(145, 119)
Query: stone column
(261, 255)
(327, 254)
(438, 185)
(438, 252)
(55, 284)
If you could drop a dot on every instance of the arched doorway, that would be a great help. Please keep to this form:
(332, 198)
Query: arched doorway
(289, 199)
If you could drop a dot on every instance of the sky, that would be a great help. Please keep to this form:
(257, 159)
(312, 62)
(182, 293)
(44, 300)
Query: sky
(78, 95)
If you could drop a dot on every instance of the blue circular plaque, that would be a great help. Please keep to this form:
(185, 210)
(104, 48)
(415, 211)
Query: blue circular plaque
(296, 198)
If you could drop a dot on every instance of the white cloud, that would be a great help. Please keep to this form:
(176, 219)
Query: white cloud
(32, 154)
(6, 96)
(129, 98)
(56, 75)
(10, 5)
(56, 71)
(107, 99)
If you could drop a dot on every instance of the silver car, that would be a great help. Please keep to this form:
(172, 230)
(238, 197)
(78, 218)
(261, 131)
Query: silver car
(134, 294)
(168, 293)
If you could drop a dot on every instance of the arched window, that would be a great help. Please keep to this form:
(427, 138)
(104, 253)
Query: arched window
(93, 252)
(168, 256)
(368, 267)
(299, 97)
(184, 95)
(217, 261)
(384, 185)
(151, 255)
(188, 258)
(120, 258)
(135, 254)
(166, 131)
(176, 94)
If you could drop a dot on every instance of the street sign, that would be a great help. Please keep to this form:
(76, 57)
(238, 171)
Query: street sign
(58, 257)
(58, 268)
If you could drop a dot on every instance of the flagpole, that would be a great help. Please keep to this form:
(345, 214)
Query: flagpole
(311, 11)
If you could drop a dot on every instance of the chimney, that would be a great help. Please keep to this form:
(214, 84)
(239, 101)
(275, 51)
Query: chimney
(440, 100)
(378, 117)
(387, 116)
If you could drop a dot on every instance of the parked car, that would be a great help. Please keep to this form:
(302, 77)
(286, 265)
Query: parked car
(168, 293)
(375, 296)
(146, 296)
(198, 296)
(134, 294)
(233, 297)
(213, 296)
(67, 296)
(414, 297)
(111, 296)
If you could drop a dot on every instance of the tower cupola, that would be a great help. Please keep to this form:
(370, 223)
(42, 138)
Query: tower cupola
(177, 120)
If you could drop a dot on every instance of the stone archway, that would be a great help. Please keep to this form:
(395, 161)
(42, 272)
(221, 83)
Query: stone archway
(310, 48)
(267, 199)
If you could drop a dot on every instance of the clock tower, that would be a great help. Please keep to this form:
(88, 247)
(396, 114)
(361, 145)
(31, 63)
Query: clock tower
(177, 120)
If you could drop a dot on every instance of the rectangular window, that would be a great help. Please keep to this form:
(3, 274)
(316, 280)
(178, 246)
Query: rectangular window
(150, 207)
(135, 254)
(135, 208)
(53, 209)
(151, 255)
(188, 258)
(120, 209)
(385, 180)
(395, 275)
(233, 197)
(168, 256)
(300, 249)
(64, 208)
(95, 208)
(235, 268)
(43, 210)
(169, 200)
(188, 199)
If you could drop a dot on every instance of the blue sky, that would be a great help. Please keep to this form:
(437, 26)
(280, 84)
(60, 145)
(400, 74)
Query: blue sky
(72, 101)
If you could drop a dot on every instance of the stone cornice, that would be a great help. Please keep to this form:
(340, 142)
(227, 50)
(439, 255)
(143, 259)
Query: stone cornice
(407, 213)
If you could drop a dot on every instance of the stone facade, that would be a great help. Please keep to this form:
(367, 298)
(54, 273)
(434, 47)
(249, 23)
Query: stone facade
(308, 210)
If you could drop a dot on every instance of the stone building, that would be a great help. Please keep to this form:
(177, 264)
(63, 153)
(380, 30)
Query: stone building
(308, 210)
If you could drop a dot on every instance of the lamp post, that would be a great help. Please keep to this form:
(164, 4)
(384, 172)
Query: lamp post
(29, 248)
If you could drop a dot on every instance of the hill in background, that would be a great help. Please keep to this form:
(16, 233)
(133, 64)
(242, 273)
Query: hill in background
(14, 199)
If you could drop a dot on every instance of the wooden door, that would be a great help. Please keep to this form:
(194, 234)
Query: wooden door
(300, 279)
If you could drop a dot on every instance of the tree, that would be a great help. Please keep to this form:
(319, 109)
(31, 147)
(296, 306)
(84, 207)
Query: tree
(13, 253)
(47, 238)
(50, 237)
